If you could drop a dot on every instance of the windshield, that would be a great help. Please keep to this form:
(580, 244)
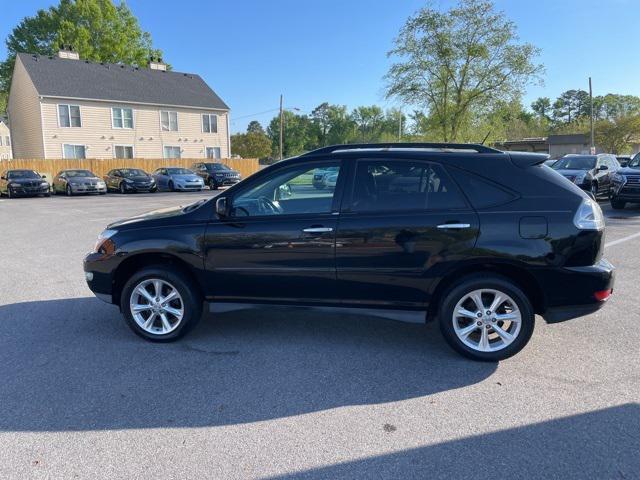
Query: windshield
(79, 173)
(635, 163)
(133, 172)
(179, 171)
(217, 166)
(575, 163)
(15, 174)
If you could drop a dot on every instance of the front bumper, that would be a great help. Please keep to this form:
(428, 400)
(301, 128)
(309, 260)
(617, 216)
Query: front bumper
(133, 187)
(190, 187)
(88, 189)
(572, 291)
(627, 193)
(226, 181)
(98, 268)
(28, 191)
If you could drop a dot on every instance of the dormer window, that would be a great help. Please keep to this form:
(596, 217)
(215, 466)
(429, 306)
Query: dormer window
(69, 116)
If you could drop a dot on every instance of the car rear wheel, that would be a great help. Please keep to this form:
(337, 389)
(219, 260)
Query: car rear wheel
(486, 318)
(159, 303)
(618, 204)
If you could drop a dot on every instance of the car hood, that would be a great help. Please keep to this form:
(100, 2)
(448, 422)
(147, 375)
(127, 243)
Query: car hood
(152, 216)
(186, 177)
(139, 179)
(27, 180)
(573, 173)
(85, 179)
(628, 171)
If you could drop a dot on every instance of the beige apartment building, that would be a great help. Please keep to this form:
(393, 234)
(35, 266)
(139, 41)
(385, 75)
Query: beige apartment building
(5, 140)
(64, 107)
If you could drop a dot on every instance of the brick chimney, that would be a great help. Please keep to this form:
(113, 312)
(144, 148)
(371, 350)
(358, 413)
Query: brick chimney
(67, 51)
(156, 63)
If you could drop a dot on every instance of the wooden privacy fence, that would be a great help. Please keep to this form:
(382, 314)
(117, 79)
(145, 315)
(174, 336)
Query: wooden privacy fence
(50, 167)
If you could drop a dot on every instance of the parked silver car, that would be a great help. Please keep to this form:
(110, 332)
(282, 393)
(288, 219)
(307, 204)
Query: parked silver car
(74, 182)
(176, 178)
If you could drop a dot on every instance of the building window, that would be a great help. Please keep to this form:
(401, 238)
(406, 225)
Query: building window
(123, 151)
(1, 141)
(74, 151)
(210, 123)
(169, 121)
(122, 117)
(69, 116)
(7, 141)
(213, 153)
(171, 152)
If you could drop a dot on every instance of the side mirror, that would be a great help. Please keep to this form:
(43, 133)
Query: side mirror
(283, 191)
(3, 178)
(222, 207)
(43, 176)
(603, 167)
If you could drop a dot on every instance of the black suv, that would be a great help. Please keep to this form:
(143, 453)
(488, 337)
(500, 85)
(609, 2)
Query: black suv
(216, 175)
(592, 173)
(626, 184)
(478, 239)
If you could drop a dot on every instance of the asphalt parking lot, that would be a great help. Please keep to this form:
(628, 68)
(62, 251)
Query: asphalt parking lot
(277, 393)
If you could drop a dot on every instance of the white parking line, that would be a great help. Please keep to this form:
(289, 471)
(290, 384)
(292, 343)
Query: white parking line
(622, 240)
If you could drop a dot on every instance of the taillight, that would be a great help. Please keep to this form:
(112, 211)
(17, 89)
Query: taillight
(589, 216)
(602, 295)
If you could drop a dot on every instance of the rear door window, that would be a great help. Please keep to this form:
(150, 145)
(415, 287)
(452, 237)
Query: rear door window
(399, 185)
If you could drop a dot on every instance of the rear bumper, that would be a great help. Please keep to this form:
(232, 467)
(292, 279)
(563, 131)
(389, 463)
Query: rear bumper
(574, 291)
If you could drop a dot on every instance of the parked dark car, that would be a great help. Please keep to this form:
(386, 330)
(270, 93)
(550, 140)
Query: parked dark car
(480, 240)
(23, 183)
(216, 175)
(130, 180)
(74, 182)
(590, 172)
(624, 160)
(626, 184)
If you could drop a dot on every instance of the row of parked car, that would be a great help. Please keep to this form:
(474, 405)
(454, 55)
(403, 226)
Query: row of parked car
(20, 182)
(604, 176)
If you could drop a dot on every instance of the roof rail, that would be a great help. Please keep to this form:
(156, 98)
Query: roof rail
(405, 145)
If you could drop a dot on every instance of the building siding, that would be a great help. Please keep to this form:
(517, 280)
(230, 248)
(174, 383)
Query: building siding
(147, 137)
(5, 149)
(24, 115)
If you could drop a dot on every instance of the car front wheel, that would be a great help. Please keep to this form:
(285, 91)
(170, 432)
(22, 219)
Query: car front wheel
(486, 318)
(212, 184)
(159, 303)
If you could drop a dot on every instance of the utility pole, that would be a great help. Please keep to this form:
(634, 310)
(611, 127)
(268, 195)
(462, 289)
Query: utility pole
(593, 145)
(281, 125)
(399, 125)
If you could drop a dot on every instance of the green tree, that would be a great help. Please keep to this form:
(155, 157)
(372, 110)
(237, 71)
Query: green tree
(459, 62)
(255, 127)
(99, 31)
(251, 145)
(570, 106)
(616, 136)
(542, 107)
(297, 138)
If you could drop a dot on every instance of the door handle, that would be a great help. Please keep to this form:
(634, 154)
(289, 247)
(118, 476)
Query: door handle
(317, 230)
(453, 226)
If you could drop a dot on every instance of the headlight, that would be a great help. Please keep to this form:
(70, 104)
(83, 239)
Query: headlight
(44, 184)
(579, 178)
(102, 240)
(128, 180)
(589, 216)
(618, 178)
(73, 183)
(14, 185)
(101, 184)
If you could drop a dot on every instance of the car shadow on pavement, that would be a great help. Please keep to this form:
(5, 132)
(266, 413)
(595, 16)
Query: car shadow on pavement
(600, 444)
(72, 364)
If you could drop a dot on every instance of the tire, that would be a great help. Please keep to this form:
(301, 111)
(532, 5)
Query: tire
(153, 190)
(68, 191)
(122, 189)
(9, 194)
(189, 300)
(618, 204)
(594, 190)
(212, 184)
(496, 347)
(171, 186)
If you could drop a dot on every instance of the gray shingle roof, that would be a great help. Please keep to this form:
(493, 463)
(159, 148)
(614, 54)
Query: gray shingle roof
(56, 77)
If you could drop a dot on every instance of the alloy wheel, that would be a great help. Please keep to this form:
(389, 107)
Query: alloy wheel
(487, 320)
(156, 306)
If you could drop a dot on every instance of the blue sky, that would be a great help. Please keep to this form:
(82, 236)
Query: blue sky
(335, 51)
